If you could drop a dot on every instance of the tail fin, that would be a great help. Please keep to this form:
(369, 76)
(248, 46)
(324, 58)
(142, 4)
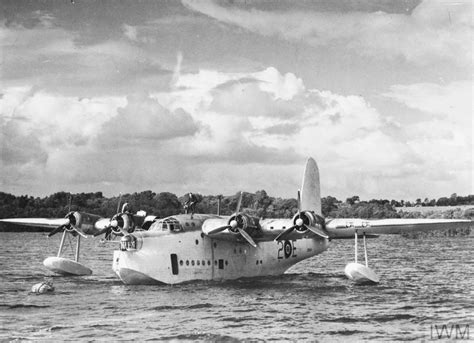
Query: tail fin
(310, 189)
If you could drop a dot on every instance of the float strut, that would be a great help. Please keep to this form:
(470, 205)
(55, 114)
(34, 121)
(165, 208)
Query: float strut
(78, 246)
(365, 252)
(355, 247)
(61, 245)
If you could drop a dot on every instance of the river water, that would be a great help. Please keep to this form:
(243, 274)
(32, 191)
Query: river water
(424, 282)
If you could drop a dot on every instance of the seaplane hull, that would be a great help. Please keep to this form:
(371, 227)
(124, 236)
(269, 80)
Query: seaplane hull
(193, 256)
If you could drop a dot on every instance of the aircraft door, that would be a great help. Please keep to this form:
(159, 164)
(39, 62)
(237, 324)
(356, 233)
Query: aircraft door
(174, 264)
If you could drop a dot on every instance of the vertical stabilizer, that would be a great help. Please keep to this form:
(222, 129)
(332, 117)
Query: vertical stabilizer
(310, 189)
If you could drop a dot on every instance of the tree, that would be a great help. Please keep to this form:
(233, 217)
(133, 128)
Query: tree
(329, 204)
(352, 200)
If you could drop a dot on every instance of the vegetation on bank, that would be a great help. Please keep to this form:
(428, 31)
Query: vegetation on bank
(259, 204)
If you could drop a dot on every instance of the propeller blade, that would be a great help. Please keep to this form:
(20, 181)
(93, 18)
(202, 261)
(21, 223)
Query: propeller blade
(79, 232)
(56, 230)
(108, 233)
(239, 203)
(299, 202)
(101, 232)
(247, 237)
(219, 229)
(285, 233)
(118, 205)
(317, 231)
(69, 204)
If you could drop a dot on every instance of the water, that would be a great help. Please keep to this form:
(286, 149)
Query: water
(423, 282)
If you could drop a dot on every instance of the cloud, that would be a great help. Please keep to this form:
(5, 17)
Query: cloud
(19, 149)
(453, 99)
(444, 135)
(35, 123)
(50, 58)
(130, 32)
(434, 29)
(144, 119)
(237, 128)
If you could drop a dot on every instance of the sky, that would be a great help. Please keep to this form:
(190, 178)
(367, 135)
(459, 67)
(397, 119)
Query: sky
(217, 97)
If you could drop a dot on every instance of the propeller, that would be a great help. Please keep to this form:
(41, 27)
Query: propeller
(302, 222)
(122, 223)
(237, 223)
(73, 219)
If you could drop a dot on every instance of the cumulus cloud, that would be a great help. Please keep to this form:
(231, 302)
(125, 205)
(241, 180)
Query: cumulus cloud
(144, 119)
(237, 128)
(435, 29)
(35, 124)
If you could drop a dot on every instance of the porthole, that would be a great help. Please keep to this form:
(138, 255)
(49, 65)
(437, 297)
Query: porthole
(192, 262)
(187, 224)
(193, 224)
(203, 262)
(257, 263)
(187, 262)
(215, 262)
(181, 262)
(226, 263)
(198, 262)
(197, 242)
(208, 263)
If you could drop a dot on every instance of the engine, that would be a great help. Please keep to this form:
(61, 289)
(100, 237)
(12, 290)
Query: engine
(244, 222)
(122, 222)
(81, 221)
(304, 219)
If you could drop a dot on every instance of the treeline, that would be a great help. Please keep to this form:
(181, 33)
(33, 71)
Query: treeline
(259, 204)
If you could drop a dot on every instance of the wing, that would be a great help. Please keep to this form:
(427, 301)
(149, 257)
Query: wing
(79, 222)
(37, 222)
(345, 228)
(263, 231)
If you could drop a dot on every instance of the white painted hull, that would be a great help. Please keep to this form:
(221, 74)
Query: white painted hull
(198, 257)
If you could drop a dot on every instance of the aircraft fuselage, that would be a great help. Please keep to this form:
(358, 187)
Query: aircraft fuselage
(164, 256)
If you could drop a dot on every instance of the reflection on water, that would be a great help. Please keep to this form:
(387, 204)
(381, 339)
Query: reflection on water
(423, 282)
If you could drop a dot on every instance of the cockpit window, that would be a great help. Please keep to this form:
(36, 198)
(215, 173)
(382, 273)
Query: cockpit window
(169, 224)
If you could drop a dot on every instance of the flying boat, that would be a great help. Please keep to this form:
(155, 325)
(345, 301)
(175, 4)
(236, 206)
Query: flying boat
(187, 247)
(193, 246)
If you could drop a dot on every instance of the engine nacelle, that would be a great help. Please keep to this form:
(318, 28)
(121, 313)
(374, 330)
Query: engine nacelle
(304, 219)
(83, 222)
(122, 222)
(243, 221)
